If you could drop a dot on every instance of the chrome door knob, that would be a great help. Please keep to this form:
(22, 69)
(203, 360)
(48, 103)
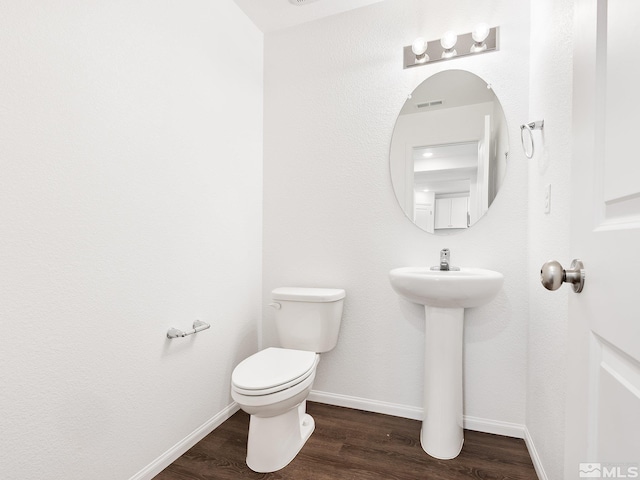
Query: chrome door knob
(552, 275)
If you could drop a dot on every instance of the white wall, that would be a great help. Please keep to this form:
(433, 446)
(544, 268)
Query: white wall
(130, 202)
(550, 99)
(333, 90)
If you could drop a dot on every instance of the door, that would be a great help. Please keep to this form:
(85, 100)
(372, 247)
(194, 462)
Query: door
(603, 393)
(459, 212)
(443, 213)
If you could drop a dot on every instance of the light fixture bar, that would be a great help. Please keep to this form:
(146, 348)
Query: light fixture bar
(465, 45)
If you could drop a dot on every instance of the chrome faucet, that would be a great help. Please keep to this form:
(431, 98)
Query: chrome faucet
(445, 261)
(445, 254)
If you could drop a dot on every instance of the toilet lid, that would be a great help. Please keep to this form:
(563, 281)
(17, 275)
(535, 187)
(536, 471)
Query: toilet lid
(303, 294)
(272, 367)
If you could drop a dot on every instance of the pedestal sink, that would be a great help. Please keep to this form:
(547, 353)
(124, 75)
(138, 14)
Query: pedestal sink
(445, 295)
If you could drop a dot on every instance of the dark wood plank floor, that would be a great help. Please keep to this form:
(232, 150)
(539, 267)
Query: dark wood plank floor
(354, 445)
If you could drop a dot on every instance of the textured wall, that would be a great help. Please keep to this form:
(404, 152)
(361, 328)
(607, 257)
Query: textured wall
(130, 202)
(333, 89)
(550, 98)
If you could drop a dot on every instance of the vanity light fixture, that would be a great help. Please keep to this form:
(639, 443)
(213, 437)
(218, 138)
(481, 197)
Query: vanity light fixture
(482, 39)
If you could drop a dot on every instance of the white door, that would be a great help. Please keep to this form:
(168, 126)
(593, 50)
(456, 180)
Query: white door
(443, 213)
(459, 212)
(603, 394)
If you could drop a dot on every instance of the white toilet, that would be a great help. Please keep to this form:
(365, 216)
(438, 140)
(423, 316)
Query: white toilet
(273, 384)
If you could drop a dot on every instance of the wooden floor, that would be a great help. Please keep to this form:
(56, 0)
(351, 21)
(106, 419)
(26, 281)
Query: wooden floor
(354, 445)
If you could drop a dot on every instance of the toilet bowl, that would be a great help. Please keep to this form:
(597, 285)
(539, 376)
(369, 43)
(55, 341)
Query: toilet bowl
(273, 385)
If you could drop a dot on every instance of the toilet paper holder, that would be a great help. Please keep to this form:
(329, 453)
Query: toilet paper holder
(198, 326)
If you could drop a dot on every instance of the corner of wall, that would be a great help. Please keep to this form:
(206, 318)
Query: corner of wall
(550, 100)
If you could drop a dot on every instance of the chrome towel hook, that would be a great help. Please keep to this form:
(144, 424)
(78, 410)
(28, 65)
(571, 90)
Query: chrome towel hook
(530, 127)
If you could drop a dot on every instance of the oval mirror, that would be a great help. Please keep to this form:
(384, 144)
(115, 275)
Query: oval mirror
(449, 150)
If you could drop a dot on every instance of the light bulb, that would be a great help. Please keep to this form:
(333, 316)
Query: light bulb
(480, 32)
(479, 35)
(448, 41)
(419, 49)
(419, 46)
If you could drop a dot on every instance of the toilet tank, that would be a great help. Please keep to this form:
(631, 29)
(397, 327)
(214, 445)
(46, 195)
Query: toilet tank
(308, 318)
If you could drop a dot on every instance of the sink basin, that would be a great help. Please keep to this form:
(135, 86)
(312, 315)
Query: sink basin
(445, 295)
(466, 288)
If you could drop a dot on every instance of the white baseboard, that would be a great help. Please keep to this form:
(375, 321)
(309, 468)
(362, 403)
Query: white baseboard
(415, 413)
(168, 457)
(365, 404)
(496, 427)
(533, 453)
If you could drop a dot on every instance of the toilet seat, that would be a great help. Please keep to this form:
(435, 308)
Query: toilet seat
(273, 370)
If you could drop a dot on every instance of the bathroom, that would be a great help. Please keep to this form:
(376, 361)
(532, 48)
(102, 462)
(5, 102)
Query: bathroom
(164, 162)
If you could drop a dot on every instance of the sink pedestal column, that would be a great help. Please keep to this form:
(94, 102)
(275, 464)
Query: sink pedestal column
(442, 433)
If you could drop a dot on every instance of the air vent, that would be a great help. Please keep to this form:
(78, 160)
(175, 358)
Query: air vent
(301, 2)
(432, 103)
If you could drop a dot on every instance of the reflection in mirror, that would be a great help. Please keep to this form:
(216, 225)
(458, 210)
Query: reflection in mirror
(449, 152)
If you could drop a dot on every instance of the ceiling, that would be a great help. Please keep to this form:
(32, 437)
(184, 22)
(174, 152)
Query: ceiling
(271, 15)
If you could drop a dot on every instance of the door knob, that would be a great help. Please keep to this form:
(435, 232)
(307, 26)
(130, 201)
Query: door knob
(552, 275)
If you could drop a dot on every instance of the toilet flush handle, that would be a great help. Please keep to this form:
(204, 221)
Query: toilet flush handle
(275, 305)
